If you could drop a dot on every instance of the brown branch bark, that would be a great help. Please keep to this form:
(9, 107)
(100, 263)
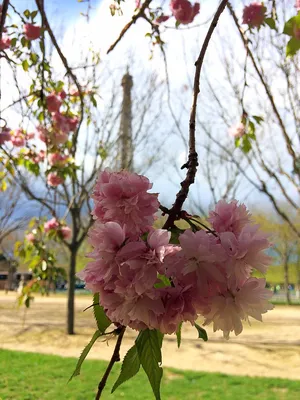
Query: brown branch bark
(267, 90)
(3, 16)
(135, 17)
(192, 163)
(115, 358)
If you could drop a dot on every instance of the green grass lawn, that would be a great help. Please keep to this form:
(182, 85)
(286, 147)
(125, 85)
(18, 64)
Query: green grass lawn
(29, 376)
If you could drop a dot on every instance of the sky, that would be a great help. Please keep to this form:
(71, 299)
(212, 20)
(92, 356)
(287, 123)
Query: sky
(75, 34)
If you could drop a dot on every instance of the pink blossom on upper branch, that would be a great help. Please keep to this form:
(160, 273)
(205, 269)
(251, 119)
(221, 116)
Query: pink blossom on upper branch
(30, 237)
(238, 130)
(32, 32)
(53, 102)
(18, 138)
(254, 14)
(66, 232)
(52, 224)
(4, 136)
(54, 180)
(183, 11)
(122, 197)
(297, 5)
(161, 19)
(57, 159)
(39, 157)
(5, 43)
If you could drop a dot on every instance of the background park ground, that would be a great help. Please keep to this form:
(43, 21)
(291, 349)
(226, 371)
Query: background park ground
(270, 350)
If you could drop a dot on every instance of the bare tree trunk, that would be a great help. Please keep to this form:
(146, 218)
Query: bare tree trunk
(71, 291)
(286, 278)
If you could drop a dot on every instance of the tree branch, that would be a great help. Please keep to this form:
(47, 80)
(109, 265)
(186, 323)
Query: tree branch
(267, 90)
(41, 9)
(192, 163)
(3, 16)
(135, 17)
(115, 358)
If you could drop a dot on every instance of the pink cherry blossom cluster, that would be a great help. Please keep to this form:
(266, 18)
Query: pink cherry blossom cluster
(297, 5)
(55, 226)
(182, 10)
(254, 14)
(32, 32)
(146, 282)
(62, 124)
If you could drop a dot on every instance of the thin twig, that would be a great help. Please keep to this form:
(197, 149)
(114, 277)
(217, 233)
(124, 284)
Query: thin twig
(192, 163)
(115, 358)
(135, 17)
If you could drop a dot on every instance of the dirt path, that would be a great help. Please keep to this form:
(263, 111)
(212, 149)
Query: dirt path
(268, 349)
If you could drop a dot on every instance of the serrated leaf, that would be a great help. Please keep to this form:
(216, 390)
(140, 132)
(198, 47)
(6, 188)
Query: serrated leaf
(102, 321)
(292, 47)
(201, 332)
(148, 344)
(178, 334)
(251, 128)
(271, 23)
(84, 353)
(130, 367)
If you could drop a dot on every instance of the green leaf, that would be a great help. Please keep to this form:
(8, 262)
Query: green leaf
(148, 344)
(246, 145)
(33, 14)
(130, 367)
(201, 333)
(164, 282)
(27, 13)
(178, 334)
(251, 129)
(292, 47)
(271, 23)
(175, 232)
(34, 58)
(59, 86)
(25, 65)
(102, 321)
(237, 142)
(258, 119)
(13, 42)
(84, 353)
(290, 24)
(94, 101)
(177, 23)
